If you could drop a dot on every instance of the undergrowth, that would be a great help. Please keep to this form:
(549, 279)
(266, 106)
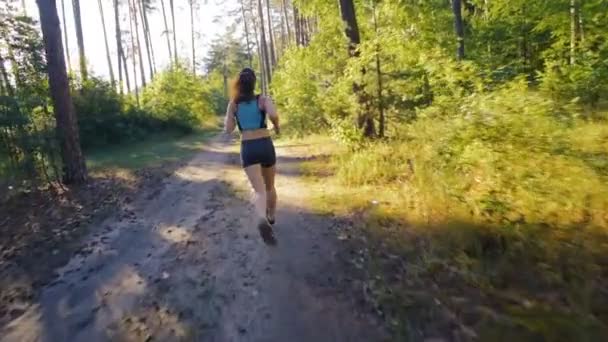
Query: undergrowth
(488, 222)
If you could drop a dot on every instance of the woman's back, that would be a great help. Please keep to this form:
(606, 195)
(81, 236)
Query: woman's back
(249, 116)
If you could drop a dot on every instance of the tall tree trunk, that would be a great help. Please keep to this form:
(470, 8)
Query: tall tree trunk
(149, 35)
(286, 16)
(139, 54)
(105, 38)
(261, 57)
(249, 54)
(126, 67)
(174, 31)
(80, 39)
(574, 24)
(296, 25)
(381, 121)
(347, 11)
(65, 36)
(192, 36)
(162, 4)
(144, 26)
(273, 57)
(119, 52)
(459, 27)
(267, 65)
(133, 53)
(284, 38)
(581, 27)
(74, 167)
(7, 87)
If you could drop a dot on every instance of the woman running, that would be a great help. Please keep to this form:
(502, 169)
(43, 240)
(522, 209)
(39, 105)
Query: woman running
(249, 112)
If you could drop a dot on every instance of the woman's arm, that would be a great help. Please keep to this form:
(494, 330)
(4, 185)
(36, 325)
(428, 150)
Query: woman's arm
(272, 113)
(230, 120)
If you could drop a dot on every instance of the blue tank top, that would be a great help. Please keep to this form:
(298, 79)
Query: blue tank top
(249, 116)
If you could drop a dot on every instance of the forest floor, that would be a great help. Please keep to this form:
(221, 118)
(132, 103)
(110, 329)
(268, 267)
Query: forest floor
(171, 253)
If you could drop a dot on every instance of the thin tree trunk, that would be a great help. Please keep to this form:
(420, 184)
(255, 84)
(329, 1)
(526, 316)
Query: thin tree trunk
(119, 50)
(249, 55)
(133, 52)
(65, 35)
(8, 88)
(192, 36)
(162, 4)
(573, 30)
(267, 65)
(126, 67)
(74, 167)
(581, 28)
(105, 38)
(458, 26)
(283, 38)
(144, 26)
(261, 57)
(286, 16)
(381, 124)
(80, 39)
(273, 58)
(174, 31)
(139, 54)
(296, 24)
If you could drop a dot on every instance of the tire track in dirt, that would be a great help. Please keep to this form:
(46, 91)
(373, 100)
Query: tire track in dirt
(186, 263)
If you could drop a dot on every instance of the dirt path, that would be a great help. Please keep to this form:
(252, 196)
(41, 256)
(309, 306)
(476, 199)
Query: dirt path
(184, 262)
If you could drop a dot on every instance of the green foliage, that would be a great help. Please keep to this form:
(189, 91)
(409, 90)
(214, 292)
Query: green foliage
(178, 99)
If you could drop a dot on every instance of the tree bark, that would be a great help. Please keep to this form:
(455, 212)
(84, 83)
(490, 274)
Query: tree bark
(126, 67)
(347, 10)
(574, 26)
(249, 54)
(150, 38)
(80, 39)
(273, 57)
(133, 52)
(144, 26)
(261, 57)
(162, 4)
(459, 28)
(286, 16)
(174, 31)
(381, 121)
(139, 54)
(65, 35)
(119, 52)
(105, 38)
(192, 36)
(296, 25)
(74, 167)
(267, 65)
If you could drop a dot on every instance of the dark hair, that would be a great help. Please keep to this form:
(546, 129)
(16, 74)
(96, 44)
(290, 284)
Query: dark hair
(244, 86)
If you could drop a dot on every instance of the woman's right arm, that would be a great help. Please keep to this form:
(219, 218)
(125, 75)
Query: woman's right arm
(229, 120)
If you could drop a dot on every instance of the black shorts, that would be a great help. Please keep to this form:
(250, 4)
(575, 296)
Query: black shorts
(258, 151)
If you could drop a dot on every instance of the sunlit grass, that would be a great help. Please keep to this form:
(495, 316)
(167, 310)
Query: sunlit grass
(533, 253)
(153, 151)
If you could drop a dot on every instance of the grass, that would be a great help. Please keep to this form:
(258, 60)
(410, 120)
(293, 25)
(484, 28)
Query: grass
(518, 254)
(153, 151)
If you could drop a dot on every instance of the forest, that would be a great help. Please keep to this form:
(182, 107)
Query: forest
(477, 130)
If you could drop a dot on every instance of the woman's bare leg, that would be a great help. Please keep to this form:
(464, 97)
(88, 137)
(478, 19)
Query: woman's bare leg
(254, 173)
(271, 193)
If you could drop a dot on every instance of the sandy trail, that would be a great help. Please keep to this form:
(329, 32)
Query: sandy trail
(184, 262)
